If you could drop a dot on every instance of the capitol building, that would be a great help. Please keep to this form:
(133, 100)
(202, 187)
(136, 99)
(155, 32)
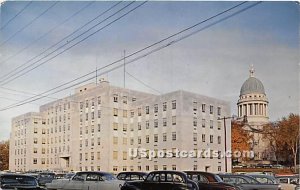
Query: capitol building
(253, 103)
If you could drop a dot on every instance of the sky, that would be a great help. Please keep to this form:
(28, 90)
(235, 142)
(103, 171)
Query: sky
(214, 61)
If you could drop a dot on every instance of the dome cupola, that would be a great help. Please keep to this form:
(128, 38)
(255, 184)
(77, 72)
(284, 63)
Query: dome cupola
(252, 85)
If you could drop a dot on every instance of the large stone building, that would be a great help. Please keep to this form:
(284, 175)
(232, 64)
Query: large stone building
(253, 103)
(95, 128)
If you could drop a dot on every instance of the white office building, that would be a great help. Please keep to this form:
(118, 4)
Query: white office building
(100, 126)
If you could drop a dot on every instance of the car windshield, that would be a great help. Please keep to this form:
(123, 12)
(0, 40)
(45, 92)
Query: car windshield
(18, 180)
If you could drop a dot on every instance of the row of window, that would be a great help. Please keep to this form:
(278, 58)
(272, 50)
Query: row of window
(58, 108)
(203, 108)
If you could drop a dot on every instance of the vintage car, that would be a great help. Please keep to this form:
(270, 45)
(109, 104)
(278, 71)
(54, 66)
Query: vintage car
(132, 176)
(209, 181)
(162, 180)
(18, 181)
(87, 181)
(246, 182)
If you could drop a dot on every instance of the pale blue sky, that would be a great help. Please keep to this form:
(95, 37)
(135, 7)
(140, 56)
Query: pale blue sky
(214, 62)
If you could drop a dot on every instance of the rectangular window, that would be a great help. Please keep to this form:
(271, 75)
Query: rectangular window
(211, 139)
(211, 109)
(147, 110)
(195, 106)
(131, 113)
(115, 112)
(203, 108)
(139, 111)
(155, 108)
(124, 156)
(165, 106)
(173, 120)
(195, 137)
(211, 122)
(115, 126)
(219, 111)
(164, 137)
(98, 141)
(115, 140)
(125, 113)
(124, 99)
(92, 156)
(124, 141)
(155, 123)
(115, 155)
(147, 124)
(203, 137)
(174, 104)
(147, 139)
(139, 140)
(115, 97)
(155, 137)
(99, 100)
(203, 123)
(99, 127)
(164, 122)
(219, 125)
(98, 155)
(219, 139)
(124, 127)
(99, 113)
(174, 136)
(195, 121)
(139, 126)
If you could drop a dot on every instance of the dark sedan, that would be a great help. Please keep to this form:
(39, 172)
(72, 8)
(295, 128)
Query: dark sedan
(163, 180)
(18, 181)
(209, 181)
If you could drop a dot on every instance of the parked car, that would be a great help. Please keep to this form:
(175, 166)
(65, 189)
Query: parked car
(247, 182)
(45, 177)
(132, 176)
(264, 178)
(209, 181)
(18, 181)
(289, 182)
(87, 181)
(162, 180)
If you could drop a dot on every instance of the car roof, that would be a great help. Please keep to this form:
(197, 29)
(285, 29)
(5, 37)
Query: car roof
(95, 172)
(143, 173)
(168, 171)
(16, 175)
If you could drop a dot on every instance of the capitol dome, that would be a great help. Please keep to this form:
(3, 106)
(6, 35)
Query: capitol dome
(252, 86)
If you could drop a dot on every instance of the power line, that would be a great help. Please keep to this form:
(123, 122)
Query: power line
(28, 24)
(29, 99)
(64, 38)
(133, 60)
(44, 35)
(64, 45)
(148, 86)
(24, 92)
(15, 15)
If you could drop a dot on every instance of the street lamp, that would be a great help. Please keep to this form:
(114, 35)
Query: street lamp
(225, 133)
